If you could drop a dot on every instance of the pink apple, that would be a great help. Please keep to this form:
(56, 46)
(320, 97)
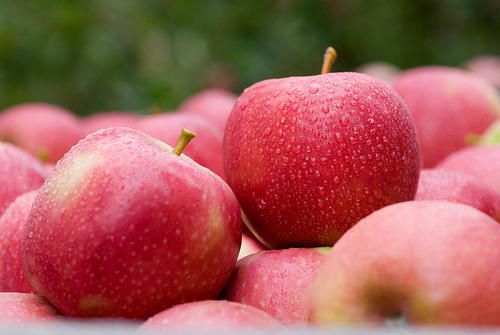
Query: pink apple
(249, 246)
(12, 222)
(123, 227)
(44, 130)
(19, 173)
(104, 120)
(211, 315)
(276, 281)
(24, 308)
(454, 186)
(427, 262)
(487, 67)
(447, 105)
(381, 70)
(214, 105)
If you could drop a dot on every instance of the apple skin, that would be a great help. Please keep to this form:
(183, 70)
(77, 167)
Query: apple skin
(454, 186)
(19, 173)
(125, 228)
(211, 315)
(25, 308)
(104, 120)
(276, 281)
(308, 157)
(487, 67)
(249, 246)
(12, 222)
(479, 161)
(447, 105)
(206, 150)
(214, 105)
(431, 262)
(44, 130)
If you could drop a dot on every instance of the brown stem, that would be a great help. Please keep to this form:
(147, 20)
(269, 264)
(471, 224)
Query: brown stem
(328, 59)
(185, 137)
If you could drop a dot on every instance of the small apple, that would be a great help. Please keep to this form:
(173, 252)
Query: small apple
(423, 262)
(25, 308)
(487, 67)
(99, 121)
(125, 227)
(211, 315)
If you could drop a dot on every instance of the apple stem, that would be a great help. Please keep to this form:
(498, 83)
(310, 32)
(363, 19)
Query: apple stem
(328, 59)
(184, 138)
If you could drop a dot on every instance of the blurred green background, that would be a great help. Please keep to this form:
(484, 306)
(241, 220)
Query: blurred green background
(95, 55)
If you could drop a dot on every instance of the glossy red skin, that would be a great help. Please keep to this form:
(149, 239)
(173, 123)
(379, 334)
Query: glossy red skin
(211, 315)
(206, 149)
(249, 246)
(214, 105)
(25, 308)
(276, 281)
(19, 173)
(12, 222)
(99, 121)
(41, 129)
(454, 186)
(434, 262)
(124, 228)
(447, 105)
(481, 162)
(308, 157)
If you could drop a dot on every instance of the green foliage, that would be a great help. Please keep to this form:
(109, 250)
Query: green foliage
(93, 55)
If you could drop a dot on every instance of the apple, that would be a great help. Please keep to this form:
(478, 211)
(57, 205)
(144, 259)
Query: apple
(454, 186)
(206, 150)
(124, 227)
(214, 105)
(104, 120)
(479, 161)
(308, 157)
(25, 308)
(210, 315)
(44, 130)
(447, 105)
(487, 67)
(249, 246)
(276, 281)
(490, 135)
(19, 173)
(12, 222)
(423, 262)
(381, 70)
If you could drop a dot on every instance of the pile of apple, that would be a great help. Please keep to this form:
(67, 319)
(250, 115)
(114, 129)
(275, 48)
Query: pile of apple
(379, 202)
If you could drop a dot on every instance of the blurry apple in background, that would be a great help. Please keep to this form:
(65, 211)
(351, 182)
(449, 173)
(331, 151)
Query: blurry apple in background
(447, 105)
(308, 157)
(454, 186)
(12, 222)
(214, 105)
(21, 309)
(490, 136)
(276, 281)
(206, 150)
(44, 130)
(124, 227)
(487, 67)
(381, 70)
(211, 316)
(249, 246)
(19, 173)
(481, 162)
(104, 120)
(423, 262)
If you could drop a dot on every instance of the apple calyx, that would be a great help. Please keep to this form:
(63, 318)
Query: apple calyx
(42, 155)
(184, 138)
(328, 59)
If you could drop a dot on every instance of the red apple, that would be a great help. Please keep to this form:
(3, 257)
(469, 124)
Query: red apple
(481, 162)
(24, 308)
(454, 186)
(214, 105)
(123, 227)
(99, 121)
(249, 246)
(447, 105)
(487, 67)
(44, 130)
(12, 222)
(427, 262)
(19, 173)
(381, 70)
(210, 315)
(206, 150)
(308, 157)
(276, 281)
